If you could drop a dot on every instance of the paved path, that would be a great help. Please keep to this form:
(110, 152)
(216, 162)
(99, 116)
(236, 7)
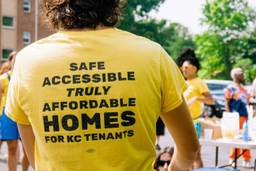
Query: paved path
(208, 153)
(3, 164)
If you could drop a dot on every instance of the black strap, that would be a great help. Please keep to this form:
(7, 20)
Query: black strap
(8, 76)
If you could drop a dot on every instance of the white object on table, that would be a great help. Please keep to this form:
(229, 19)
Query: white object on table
(208, 133)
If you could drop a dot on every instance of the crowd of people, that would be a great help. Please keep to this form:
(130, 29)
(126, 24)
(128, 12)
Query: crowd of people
(197, 95)
(47, 109)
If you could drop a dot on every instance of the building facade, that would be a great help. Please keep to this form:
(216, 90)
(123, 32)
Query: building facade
(21, 25)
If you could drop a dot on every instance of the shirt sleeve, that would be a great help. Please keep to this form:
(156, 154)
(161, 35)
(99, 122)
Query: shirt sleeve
(13, 107)
(173, 83)
(203, 87)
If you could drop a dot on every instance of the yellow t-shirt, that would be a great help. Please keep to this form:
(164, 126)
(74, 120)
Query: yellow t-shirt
(4, 81)
(196, 87)
(93, 99)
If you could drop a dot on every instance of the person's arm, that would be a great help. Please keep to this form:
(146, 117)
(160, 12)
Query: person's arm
(205, 95)
(179, 124)
(228, 96)
(192, 100)
(28, 141)
(206, 98)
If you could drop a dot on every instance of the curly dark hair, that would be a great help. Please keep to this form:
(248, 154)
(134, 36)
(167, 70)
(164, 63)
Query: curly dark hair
(80, 14)
(190, 56)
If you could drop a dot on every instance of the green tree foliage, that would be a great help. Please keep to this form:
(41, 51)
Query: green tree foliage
(180, 39)
(229, 40)
(172, 36)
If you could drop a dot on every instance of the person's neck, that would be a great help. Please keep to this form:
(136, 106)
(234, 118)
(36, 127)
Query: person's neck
(102, 27)
(99, 27)
(192, 77)
(239, 83)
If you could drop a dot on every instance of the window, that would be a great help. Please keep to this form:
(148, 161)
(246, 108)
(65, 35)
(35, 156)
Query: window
(8, 21)
(5, 54)
(26, 37)
(26, 6)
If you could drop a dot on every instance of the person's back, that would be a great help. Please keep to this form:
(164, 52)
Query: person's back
(104, 94)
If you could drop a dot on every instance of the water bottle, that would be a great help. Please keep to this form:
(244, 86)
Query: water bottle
(198, 129)
(245, 131)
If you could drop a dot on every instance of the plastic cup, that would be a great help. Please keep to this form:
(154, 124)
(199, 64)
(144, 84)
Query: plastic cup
(208, 133)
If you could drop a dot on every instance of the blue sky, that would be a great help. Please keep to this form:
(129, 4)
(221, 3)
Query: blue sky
(186, 12)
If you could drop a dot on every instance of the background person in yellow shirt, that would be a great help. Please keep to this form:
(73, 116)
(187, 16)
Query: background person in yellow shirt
(88, 97)
(197, 94)
(8, 128)
(4, 68)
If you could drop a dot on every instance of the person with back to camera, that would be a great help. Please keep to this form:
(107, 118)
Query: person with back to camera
(87, 97)
(163, 159)
(197, 94)
(237, 98)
